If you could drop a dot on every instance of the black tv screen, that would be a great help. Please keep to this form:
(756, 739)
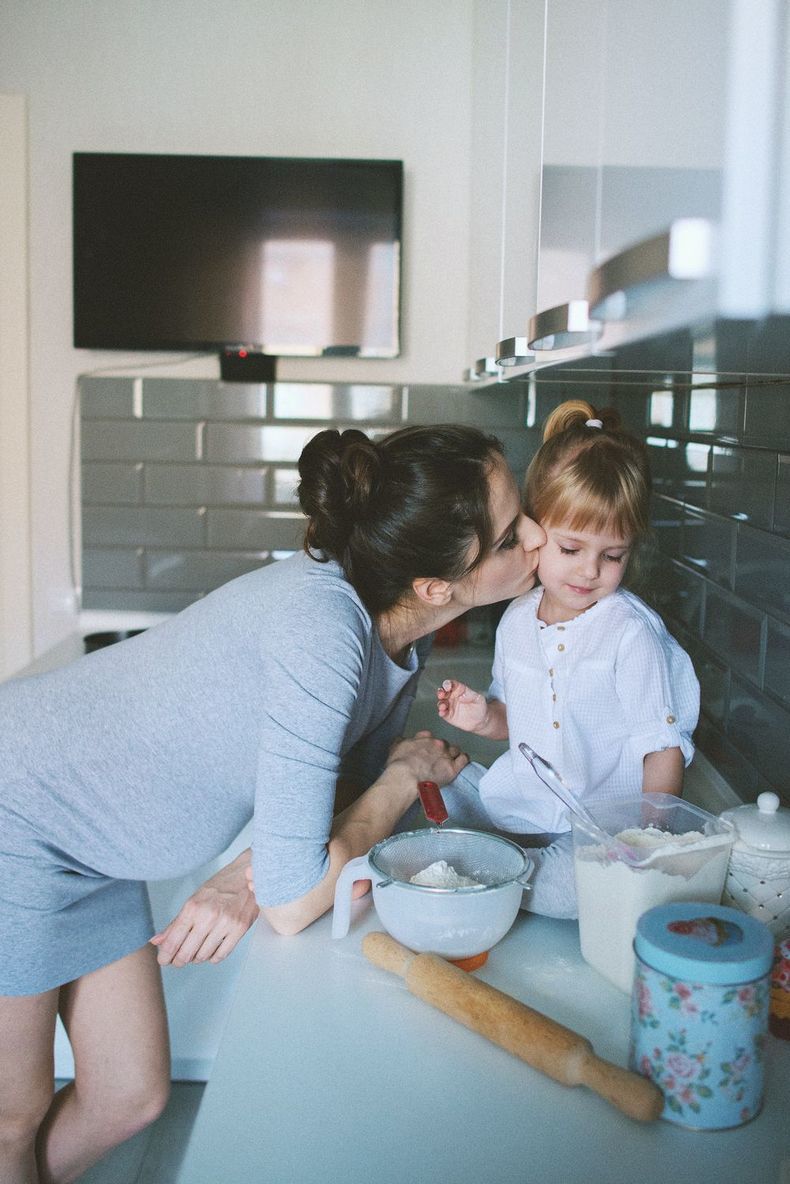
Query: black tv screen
(294, 257)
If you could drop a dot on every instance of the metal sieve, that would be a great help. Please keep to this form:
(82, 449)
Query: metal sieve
(489, 859)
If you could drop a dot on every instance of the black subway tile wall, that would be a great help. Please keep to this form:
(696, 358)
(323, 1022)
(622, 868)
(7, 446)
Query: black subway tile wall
(188, 483)
(719, 569)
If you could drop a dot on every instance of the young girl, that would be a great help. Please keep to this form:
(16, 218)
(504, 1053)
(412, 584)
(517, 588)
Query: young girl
(584, 672)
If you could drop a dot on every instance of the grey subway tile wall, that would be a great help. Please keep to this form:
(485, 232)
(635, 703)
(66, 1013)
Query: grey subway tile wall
(189, 483)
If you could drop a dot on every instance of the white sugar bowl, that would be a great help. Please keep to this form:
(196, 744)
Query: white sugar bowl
(758, 875)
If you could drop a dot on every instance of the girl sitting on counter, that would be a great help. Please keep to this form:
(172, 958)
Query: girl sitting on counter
(584, 672)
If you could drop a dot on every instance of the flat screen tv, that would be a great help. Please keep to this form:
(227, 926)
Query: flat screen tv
(288, 256)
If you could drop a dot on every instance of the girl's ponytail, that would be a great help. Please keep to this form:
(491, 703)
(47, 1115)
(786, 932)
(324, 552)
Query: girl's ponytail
(576, 413)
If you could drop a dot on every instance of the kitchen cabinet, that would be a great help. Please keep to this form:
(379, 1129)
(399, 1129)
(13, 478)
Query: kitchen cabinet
(505, 180)
(665, 126)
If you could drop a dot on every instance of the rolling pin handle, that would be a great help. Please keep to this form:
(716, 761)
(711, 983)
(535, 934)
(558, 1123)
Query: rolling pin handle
(636, 1096)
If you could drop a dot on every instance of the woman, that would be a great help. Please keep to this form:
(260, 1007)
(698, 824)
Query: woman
(280, 696)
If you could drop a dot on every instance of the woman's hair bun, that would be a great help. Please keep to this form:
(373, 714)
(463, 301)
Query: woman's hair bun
(339, 477)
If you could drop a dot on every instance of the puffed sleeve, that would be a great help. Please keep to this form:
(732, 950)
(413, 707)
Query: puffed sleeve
(313, 674)
(657, 689)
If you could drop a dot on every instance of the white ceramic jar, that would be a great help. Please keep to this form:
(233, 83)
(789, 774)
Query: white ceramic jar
(758, 874)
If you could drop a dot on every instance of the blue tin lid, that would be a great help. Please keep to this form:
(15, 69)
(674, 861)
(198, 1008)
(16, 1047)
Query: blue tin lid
(704, 943)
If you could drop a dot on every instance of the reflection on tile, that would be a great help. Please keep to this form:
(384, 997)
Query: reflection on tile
(255, 530)
(333, 401)
(195, 398)
(204, 485)
(734, 632)
(782, 503)
(661, 409)
(228, 442)
(736, 770)
(284, 483)
(758, 728)
(742, 484)
(667, 520)
(684, 597)
(714, 678)
(694, 473)
(762, 570)
(718, 410)
(777, 660)
(707, 544)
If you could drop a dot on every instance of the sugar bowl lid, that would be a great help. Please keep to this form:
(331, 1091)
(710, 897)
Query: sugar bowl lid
(704, 943)
(763, 825)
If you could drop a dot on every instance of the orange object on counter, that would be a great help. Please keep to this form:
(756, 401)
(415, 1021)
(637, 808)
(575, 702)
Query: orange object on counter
(451, 634)
(779, 1015)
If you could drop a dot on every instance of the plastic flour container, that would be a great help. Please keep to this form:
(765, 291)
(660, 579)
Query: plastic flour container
(699, 1011)
(642, 852)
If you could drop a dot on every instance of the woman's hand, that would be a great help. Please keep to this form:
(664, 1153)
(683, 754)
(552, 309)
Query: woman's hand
(429, 758)
(460, 706)
(214, 919)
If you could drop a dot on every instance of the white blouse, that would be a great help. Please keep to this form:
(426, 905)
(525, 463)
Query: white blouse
(593, 696)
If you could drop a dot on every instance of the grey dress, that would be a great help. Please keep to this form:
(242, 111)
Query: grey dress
(144, 760)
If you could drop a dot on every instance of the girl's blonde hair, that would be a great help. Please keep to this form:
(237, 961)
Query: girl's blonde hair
(589, 477)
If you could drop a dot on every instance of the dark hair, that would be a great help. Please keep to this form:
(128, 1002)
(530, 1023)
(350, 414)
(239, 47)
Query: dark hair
(391, 511)
(589, 473)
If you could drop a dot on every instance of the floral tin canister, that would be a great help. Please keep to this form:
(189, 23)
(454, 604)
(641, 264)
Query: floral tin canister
(699, 1011)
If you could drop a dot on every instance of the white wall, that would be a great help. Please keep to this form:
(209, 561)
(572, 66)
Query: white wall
(15, 559)
(277, 77)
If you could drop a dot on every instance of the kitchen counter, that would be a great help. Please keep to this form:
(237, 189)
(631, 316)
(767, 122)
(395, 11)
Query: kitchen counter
(330, 1070)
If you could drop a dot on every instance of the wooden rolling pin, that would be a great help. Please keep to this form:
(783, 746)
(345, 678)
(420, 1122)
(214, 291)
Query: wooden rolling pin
(535, 1038)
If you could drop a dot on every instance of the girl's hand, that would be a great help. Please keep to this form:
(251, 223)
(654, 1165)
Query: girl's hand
(460, 706)
(214, 919)
(429, 758)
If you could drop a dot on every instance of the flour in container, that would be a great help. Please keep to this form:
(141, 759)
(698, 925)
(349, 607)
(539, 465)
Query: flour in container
(613, 893)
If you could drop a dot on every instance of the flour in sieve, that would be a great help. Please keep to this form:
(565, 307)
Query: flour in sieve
(442, 875)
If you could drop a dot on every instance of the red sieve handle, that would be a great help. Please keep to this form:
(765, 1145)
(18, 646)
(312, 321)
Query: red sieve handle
(432, 802)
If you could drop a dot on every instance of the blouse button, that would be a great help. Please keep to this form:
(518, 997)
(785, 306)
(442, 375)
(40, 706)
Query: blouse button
(555, 724)
(560, 628)
(670, 719)
(561, 647)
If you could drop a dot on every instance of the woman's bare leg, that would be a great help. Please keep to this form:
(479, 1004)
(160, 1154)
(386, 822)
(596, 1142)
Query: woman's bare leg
(27, 1033)
(115, 1019)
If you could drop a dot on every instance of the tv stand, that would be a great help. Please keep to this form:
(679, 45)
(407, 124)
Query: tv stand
(242, 363)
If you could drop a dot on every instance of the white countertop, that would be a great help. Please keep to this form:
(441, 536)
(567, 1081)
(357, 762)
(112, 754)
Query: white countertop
(329, 1070)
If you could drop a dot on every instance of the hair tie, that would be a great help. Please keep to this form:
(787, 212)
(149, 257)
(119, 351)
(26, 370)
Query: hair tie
(593, 423)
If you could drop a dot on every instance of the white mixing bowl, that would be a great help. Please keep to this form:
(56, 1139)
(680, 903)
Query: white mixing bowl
(457, 923)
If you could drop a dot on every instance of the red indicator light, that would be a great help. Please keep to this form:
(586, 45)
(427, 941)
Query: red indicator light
(242, 353)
